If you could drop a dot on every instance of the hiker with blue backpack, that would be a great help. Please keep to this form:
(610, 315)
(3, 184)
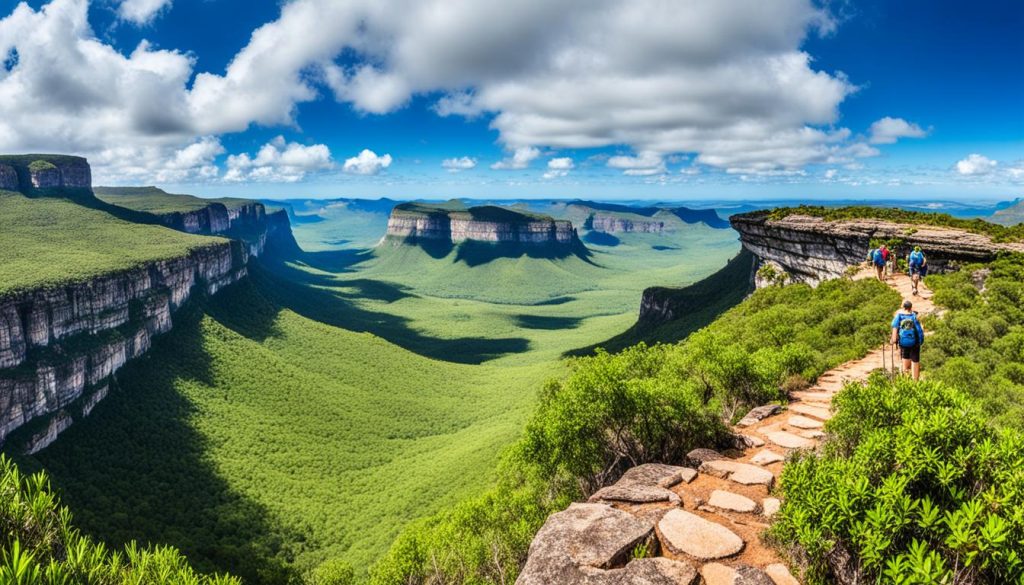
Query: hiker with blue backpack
(879, 257)
(907, 331)
(918, 266)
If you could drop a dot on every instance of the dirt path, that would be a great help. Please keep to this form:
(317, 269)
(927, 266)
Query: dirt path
(735, 493)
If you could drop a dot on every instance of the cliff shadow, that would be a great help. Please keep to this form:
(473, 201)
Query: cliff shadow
(321, 298)
(601, 239)
(547, 323)
(476, 253)
(136, 470)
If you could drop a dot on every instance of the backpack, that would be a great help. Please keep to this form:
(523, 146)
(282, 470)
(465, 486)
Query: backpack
(908, 331)
(916, 259)
(878, 257)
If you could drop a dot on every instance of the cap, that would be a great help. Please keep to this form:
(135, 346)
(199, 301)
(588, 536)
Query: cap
(907, 304)
(917, 248)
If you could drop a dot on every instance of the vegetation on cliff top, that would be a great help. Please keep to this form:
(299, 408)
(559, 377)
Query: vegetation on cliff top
(158, 201)
(48, 241)
(41, 546)
(998, 233)
(455, 209)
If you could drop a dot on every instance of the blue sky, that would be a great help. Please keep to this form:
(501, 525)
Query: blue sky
(691, 99)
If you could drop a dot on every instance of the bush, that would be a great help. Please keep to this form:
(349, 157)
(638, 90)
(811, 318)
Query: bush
(914, 484)
(40, 546)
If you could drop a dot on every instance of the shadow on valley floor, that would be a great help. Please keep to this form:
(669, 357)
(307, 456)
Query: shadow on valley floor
(136, 470)
(474, 253)
(323, 298)
(549, 323)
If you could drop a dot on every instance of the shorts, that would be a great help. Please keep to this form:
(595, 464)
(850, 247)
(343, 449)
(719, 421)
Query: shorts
(921, 271)
(912, 353)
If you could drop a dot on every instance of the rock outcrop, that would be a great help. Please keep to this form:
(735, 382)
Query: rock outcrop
(417, 222)
(612, 224)
(8, 178)
(61, 346)
(810, 249)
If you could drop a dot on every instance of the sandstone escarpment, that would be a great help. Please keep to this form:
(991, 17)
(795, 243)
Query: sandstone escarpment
(418, 222)
(44, 171)
(56, 344)
(8, 178)
(811, 249)
(613, 225)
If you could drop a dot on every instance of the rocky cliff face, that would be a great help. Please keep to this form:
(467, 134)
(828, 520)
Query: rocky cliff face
(459, 226)
(44, 171)
(60, 347)
(8, 178)
(810, 249)
(614, 225)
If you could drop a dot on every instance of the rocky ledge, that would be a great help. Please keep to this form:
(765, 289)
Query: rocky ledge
(454, 224)
(811, 249)
(44, 171)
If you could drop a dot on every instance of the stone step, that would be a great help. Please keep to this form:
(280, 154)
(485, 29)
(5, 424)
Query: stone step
(766, 457)
(802, 422)
(789, 440)
(719, 574)
(758, 414)
(730, 502)
(808, 396)
(817, 412)
(811, 434)
(770, 506)
(685, 533)
(780, 574)
(741, 473)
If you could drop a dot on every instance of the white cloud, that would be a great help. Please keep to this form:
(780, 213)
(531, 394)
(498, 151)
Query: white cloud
(976, 164)
(726, 82)
(279, 161)
(520, 159)
(830, 174)
(462, 163)
(888, 130)
(559, 167)
(367, 163)
(141, 11)
(644, 165)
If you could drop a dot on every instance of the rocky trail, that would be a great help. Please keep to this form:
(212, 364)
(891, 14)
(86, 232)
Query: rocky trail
(702, 523)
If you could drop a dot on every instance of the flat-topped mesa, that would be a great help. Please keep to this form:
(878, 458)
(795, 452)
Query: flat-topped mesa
(812, 249)
(454, 224)
(611, 224)
(614, 218)
(28, 172)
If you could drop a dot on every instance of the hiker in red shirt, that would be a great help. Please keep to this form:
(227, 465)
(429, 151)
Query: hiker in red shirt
(879, 258)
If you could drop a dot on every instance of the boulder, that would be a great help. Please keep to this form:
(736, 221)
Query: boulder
(748, 441)
(591, 544)
(646, 483)
(659, 474)
(770, 506)
(766, 457)
(689, 534)
(699, 456)
(780, 574)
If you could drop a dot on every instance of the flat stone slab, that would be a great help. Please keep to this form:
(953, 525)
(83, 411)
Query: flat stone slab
(802, 422)
(789, 440)
(780, 575)
(812, 434)
(766, 457)
(719, 574)
(742, 473)
(698, 456)
(634, 493)
(652, 571)
(724, 500)
(808, 396)
(689, 534)
(770, 506)
(748, 441)
(658, 474)
(812, 411)
(758, 414)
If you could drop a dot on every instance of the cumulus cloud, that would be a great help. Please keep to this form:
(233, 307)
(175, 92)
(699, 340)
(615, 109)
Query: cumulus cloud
(888, 130)
(644, 165)
(520, 159)
(367, 163)
(559, 167)
(831, 174)
(976, 164)
(141, 11)
(727, 82)
(279, 161)
(462, 163)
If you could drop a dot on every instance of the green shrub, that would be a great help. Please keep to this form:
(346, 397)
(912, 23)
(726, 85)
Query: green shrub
(39, 545)
(914, 484)
(332, 572)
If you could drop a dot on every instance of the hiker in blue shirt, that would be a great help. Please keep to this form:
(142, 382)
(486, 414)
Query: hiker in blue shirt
(879, 257)
(918, 267)
(907, 331)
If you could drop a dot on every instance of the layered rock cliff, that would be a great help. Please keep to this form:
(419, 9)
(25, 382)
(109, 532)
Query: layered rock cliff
(615, 218)
(31, 172)
(61, 346)
(613, 224)
(420, 222)
(811, 249)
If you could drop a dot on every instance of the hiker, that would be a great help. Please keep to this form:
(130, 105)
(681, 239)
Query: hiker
(907, 331)
(918, 266)
(879, 258)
